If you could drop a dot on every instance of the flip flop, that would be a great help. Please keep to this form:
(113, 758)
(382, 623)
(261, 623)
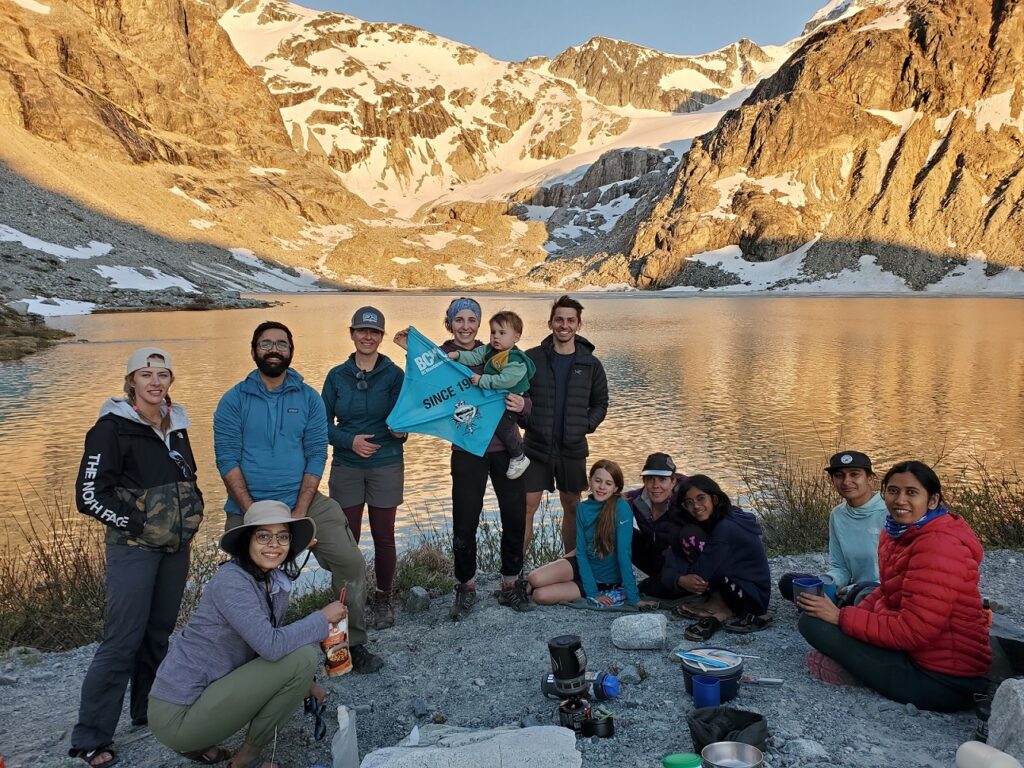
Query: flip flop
(703, 630)
(203, 756)
(747, 624)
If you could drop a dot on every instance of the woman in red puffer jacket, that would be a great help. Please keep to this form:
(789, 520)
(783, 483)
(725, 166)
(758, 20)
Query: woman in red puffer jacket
(922, 637)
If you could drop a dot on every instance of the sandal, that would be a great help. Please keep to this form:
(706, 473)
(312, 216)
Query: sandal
(692, 610)
(88, 755)
(703, 630)
(747, 624)
(209, 756)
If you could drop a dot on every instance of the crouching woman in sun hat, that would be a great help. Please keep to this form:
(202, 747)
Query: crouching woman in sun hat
(137, 477)
(922, 636)
(234, 663)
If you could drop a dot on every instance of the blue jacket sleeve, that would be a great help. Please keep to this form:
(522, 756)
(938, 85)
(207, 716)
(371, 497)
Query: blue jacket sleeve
(394, 391)
(227, 432)
(837, 561)
(246, 611)
(582, 559)
(675, 566)
(711, 562)
(624, 549)
(314, 439)
(337, 436)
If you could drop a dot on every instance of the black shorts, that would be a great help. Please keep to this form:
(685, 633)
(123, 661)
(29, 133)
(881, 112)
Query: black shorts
(601, 586)
(569, 475)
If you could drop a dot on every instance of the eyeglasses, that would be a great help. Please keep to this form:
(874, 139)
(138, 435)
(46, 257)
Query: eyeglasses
(266, 345)
(178, 459)
(265, 537)
(361, 384)
(700, 498)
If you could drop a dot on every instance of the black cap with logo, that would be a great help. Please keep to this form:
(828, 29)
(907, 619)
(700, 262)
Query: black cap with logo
(848, 460)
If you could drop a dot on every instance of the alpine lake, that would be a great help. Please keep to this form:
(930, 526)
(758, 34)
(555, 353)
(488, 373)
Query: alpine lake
(726, 385)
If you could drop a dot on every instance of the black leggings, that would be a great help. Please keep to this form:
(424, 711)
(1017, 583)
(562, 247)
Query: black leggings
(469, 483)
(892, 673)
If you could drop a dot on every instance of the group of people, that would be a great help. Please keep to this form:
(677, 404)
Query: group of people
(907, 621)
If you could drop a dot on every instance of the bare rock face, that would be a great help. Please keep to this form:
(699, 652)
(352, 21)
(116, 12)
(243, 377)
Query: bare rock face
(405, 116)
(624, 74)
(895, 132)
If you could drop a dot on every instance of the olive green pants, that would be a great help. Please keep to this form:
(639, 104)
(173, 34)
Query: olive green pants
(892, 673)
(262, 693)
(337, 551)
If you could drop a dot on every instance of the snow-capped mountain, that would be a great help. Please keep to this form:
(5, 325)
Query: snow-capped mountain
(885, 154)
(405, 116)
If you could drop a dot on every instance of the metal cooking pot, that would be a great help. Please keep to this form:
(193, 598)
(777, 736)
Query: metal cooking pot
(731, 754)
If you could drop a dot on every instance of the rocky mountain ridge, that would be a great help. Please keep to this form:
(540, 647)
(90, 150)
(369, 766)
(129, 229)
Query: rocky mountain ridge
(891, 140)
(403, 115)
(201, 142)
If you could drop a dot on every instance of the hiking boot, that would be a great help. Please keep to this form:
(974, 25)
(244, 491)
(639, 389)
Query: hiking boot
(363, 661)
(516, 466)
(465, 596)
(515, 596)
(383, 611)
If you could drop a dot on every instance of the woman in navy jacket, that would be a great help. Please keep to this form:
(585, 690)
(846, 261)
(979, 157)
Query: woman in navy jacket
(730, 568)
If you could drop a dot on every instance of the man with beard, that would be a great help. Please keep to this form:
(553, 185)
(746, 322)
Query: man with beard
(270, 440)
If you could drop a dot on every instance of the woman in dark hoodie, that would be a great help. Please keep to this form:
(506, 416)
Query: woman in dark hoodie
(138, 478)
(730, 568)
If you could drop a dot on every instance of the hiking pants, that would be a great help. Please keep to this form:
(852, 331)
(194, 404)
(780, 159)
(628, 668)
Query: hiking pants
(336, 550)
(892, 673)
(143, 590)
(262, 693)
(469, 483)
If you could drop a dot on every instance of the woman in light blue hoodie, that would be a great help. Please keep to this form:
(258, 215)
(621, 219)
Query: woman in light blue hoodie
(853, 526)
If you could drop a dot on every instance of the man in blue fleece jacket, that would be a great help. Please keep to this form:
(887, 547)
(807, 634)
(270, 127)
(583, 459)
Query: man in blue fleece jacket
(270, 440)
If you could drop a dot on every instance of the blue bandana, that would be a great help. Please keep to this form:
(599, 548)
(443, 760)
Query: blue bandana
(460, 304)
(896, 530)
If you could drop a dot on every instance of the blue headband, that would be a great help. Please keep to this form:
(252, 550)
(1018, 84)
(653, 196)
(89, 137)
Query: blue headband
(460, 304)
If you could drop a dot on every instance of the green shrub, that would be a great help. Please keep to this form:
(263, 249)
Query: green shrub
(793, 501)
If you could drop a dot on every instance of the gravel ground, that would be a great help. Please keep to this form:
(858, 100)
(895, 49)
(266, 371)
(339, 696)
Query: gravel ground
(486, 672)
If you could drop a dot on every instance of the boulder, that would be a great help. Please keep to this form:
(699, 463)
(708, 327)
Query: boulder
(442, 746)
(640, 631)
(1004, 725)
(417, 601)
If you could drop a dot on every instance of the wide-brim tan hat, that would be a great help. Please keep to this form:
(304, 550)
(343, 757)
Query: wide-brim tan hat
(269, 512)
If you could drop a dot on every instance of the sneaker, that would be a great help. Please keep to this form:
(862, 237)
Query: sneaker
(465, 596)
(383, 611)
(828, 670)
(516, 466)
(515, 596)
(363, 661)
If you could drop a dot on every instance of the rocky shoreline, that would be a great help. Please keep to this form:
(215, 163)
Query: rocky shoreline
(485, 672)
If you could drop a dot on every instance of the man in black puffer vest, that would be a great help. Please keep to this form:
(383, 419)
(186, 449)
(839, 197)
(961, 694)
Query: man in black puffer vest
(570, 399)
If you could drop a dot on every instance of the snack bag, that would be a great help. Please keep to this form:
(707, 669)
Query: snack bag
(336, 650)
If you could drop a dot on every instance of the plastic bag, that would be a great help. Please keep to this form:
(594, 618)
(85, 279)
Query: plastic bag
(345, 744)
(712, 724)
